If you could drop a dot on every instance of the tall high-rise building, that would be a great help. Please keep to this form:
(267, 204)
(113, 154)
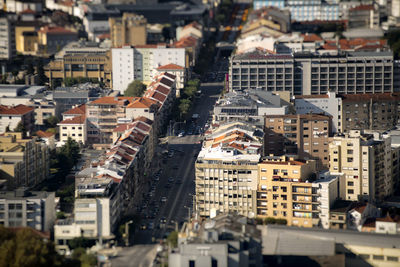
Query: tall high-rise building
(7, 41)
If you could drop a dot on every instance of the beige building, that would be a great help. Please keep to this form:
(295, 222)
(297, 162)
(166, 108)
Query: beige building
(226, 171)
(75, 128)
(130, 29)
(305, 135)
(43, 110)
(23, 162)
(285, 190)
(365, 160)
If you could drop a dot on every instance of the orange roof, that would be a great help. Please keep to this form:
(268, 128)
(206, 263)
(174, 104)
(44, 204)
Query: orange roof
(360, 208)
(311, 37)
(141, 102)
(112, 100)
(74, 120)
(55, 30)
(104, 36)
(79, 110)
(43, 134)
(194, 24)
(28, 11)
(188, 41)
(123, 127)
(170, 67)
(17, 110)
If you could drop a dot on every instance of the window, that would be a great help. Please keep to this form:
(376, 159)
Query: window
(392, 258)
(350, 151)
(350, 191)
(350, 183)
(377, 257)
(192, 263)
(349, 159)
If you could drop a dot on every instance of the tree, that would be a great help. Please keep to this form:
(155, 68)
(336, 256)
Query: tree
(41, 75)
(51, 122)
(86, 260)
(26, 248)
(190, 91)
(184, 107)
(81, 242)
(15, 72)
(173, 239)
(166, 33)
(135, 88)
(30, 69)
(20, 128)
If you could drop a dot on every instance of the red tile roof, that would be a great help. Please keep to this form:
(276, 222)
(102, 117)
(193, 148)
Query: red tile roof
(74, 120)
(188, 41)
(162, 89)
(311, 37)
(170, 67)
(43, 134)
(362, 7)
(79, 110)
(158, 96)
(142, 102)
(16, 110)
(144, 119)
(28, 11)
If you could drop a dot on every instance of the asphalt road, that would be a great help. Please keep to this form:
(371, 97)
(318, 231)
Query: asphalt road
(179, 166)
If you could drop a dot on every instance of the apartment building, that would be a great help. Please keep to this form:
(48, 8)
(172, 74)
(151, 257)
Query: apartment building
(364, 16)
(309, 74)
(79, 60)
(130, 29)
(178, 71)
(53, 39)
(11, 116)
(250, 105)
(97, 209)
(43, 110)
(285, 190)
(365, 160)
(23, 208)
(23, 162)
(139, 63)
(75, 128)
(306, 135)
(102, 115)
(7, 42)
(226, 171)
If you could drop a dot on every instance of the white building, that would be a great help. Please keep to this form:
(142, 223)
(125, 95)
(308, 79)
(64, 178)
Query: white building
(76, 128)
(180, 73)
(139, 63)
(96, 209)
(329, 104)
(22, 208)
(7, 40)
(17, 6)
(328, 187)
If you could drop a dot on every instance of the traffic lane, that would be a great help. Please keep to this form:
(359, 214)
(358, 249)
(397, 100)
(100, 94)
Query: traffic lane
(135, 256)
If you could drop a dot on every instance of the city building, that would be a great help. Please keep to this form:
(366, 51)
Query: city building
(226, 171)
(7, 42)
(193, 29)
(286, 190)
(365, 160)
(225, 240)
(178, 71)
(249, 105)
(97, 210)
(130, 29)
(139, 63)
(305, 135)
(80, 59)
(53, 39)
(23, 208)
(43, 110)
(18, 6)
(364, 16)
(11, 116)
(75, 128)
(310, 74)
(23, 162)
(304, 10)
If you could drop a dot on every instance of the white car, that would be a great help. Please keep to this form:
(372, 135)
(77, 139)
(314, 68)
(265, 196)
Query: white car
(164, 199)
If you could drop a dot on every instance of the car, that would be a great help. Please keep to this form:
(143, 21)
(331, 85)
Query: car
(181, 134)
(164, 199)
(163, 220)
(171, 180)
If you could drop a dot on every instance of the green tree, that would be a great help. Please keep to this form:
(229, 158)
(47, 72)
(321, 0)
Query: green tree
(70, 151)
(20, 128)
(51, 122)
(80, 242)
(135, 88)
(270, 220)
(190, 91)
(15, 72)
(173, 239)
(26, 248)
(86, 260)
(60, 215)
(41, 75)
(184, 107)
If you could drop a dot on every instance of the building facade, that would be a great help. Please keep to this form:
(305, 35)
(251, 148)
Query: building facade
(7, 42)
(22, 208)
(310, 74)
(305, 135)
(130, 29)
(12, 116)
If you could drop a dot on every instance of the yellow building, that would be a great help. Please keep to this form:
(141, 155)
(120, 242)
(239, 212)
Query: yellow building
(75, 62)
(130, 29)
(284, 190)
(23, 162)
(26, 39)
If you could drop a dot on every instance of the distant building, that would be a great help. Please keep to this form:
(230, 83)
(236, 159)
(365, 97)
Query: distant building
(225, 240)
(18, 6)
(43, 110)
(179, 71)
(23, 162)
(364, 16)
(23, 208)
(130, 29)
(11, 116)
(53, 39)
(310, 74)
(7, 42)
